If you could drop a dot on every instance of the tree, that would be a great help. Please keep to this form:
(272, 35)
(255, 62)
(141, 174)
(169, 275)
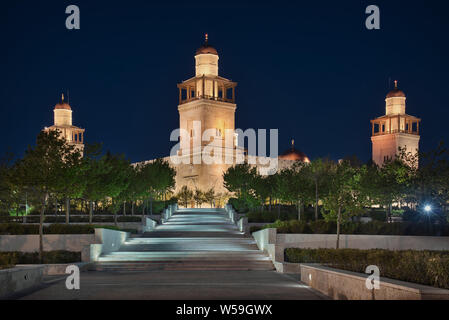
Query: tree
(159, 178)
(198, 197)
(343, 197)
(96, 171)
(185, 195)
(136, 188)
(282, 187)
(392, 181)
(301, 189)
(209, 197)
(428, 182)
(317, 172)
(72, 182)
(9, 187)
(117, 181)
(240, 179)
(262, 189)
(42, 171)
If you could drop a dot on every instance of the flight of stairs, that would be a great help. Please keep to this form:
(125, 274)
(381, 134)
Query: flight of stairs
(192, 239)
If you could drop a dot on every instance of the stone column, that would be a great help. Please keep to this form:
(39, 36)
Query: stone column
(204, 86)
(195, 90)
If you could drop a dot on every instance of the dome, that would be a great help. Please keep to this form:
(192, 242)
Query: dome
(62, 104)
(206, 48)
(395, 93)
(294, 155)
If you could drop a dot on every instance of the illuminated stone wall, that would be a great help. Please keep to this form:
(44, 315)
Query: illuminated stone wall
(206, 64)
(63, 117)
(388, 146)
(395, 105)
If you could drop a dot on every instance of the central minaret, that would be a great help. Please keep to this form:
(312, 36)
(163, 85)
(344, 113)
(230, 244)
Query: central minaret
(207, 100)
(395, 129)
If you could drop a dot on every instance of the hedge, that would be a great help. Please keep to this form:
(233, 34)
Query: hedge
(269, 217)
(21, 229)
(371, 228)
(75, 219)
(423, 267)
(255, 228)
(9, 259)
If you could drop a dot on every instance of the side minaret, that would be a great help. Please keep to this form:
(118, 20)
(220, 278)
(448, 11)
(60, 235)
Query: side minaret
(63, 123)
(394, 130)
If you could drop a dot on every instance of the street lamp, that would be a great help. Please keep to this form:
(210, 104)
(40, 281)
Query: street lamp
(427, 208)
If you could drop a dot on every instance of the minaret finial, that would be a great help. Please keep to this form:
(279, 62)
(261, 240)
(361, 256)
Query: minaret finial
(293, 144)
(395, 84)
(206, 37)
(62, 97)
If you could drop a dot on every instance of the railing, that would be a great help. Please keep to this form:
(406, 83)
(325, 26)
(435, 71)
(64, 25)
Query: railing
(395, 131)
(167, 213)
(207, 97)
(72, 218)
(242, 222)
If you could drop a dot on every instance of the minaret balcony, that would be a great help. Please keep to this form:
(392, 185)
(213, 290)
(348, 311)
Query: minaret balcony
(207, 97)
(207, 87)
(395, 131)
(395, 124)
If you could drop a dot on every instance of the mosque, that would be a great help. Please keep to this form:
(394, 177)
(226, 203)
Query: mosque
(210, 99)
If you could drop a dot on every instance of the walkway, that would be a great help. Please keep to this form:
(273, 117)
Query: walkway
(196, 254)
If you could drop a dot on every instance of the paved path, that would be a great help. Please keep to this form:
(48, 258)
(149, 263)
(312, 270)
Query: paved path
(180, 285)
(196, 254)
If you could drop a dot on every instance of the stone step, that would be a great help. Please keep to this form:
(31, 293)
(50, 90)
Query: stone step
(183, 266)
(188, 244)
(190, 239)
(186, 248)
(149, 240)
(250, 255)
(190, 234)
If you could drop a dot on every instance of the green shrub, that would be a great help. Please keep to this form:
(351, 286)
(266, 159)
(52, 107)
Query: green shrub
(255, 228)
(268, 217)
(9, 259)
(376, 214)
(239, 205)
(423, 267)
(372, 228)
(129, 218)
(21, 229)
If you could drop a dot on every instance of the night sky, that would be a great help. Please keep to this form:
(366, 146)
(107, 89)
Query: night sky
(310, 69)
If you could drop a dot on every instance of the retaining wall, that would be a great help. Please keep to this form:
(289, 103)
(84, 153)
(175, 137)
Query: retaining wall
(346, 285)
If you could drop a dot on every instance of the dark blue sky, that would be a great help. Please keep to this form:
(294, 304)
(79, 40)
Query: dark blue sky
(310, 69)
